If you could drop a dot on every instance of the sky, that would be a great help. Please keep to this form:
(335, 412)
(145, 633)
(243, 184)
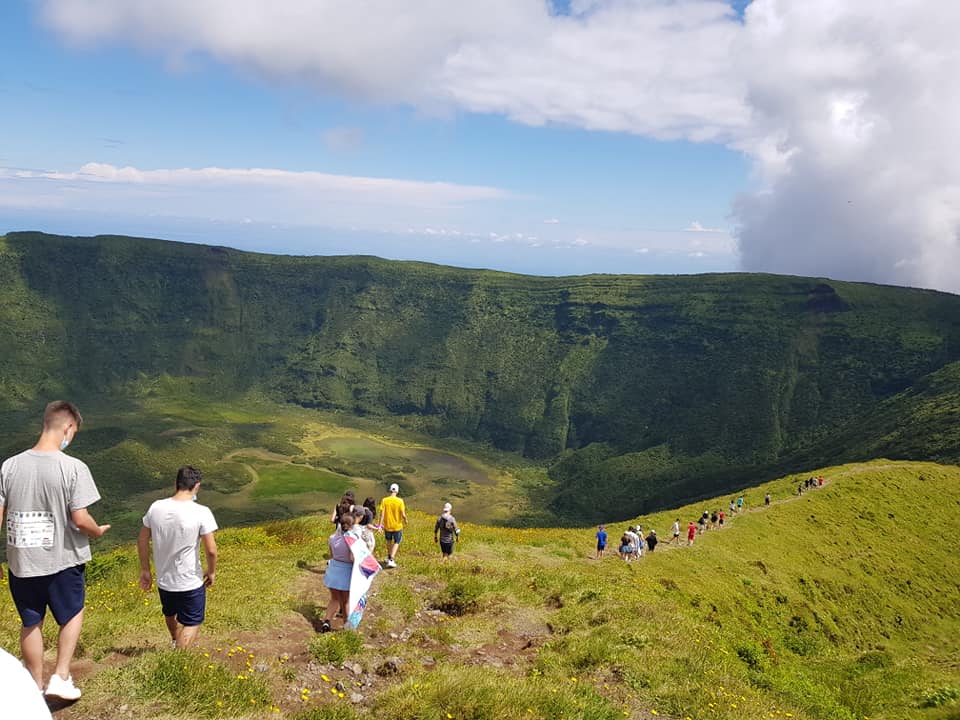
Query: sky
(544, 137)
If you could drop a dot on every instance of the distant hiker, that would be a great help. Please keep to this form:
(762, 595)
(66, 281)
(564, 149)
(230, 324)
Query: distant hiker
(720, 516)
(625, 548)
(176, 526)
(799, 489)
(343, 507)
(766, 499)
(364, 516)
(446, 532)
(601, 541)
(691, 533)
(636, 541)
(652, 541)
(676, 532)
(45, 494)
(713, 520)
(339, 572)
(740, 504)
(702, 522)
(820, 481)
(733, 506)
(393, 516)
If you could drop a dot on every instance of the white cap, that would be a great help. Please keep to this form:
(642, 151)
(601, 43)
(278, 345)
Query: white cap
(447, 507)
(394, 488)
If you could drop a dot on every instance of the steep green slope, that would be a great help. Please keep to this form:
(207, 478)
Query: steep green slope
(842, 604)
(658, 387)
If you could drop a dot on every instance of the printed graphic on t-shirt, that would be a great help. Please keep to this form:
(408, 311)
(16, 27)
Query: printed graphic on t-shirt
(30, 529)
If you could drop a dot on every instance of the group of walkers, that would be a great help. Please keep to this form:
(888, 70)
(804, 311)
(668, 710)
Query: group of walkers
(633, 544)
(352, 566)
(46, 495)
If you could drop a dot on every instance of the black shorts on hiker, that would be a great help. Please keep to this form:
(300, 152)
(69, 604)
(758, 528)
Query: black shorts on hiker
(189, 606)
(446, 547)
(63, 592)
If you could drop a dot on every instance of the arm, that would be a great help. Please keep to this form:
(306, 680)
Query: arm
(86, 524)
(210, 549)
(143, 552)
(1, 525)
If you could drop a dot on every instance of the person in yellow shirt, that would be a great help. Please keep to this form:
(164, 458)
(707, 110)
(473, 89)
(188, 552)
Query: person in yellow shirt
(393, 516)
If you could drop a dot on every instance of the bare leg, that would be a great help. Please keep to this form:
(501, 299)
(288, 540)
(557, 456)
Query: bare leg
(332, 606)
(67, 644)
(31, 647)
(344, 599)
(172, 626)
(186, 636)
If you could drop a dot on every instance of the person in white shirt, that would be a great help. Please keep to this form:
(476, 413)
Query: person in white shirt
(177, 526)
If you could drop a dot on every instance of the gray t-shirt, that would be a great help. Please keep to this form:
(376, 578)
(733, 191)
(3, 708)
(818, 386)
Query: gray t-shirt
(38, 491)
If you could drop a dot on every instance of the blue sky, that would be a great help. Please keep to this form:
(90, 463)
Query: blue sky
(604, 136)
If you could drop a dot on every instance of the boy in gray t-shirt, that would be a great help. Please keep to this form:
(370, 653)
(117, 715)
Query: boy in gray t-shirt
(45, 495)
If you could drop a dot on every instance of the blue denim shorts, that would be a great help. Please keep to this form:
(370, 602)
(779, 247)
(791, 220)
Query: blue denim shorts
(394, 536)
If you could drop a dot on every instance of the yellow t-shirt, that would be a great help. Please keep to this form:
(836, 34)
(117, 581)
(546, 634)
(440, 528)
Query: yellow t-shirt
(393, 509)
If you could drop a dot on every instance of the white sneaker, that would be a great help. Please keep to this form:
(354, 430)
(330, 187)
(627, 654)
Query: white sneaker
(391, 563)
(63, 689)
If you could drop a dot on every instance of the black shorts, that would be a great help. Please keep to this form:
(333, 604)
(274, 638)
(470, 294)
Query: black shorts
(64, 593)
(446, 547)
(189, 606)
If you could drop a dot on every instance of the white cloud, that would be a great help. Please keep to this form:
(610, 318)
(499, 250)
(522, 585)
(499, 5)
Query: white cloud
(641, 66)
(243, 194)
(695, 226)
(849, 112)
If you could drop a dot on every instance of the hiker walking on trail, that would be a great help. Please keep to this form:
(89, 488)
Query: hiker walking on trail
(176, 527)
(446, 532)
(652, 541)
(740, 504)
(720, 517)
(393, 516)
(601, 541)
(766, 499)
(363, 517)
(45, 495)
(691, 533)
(676, 532)
(733, 506)
(339, 573)
(636, 541)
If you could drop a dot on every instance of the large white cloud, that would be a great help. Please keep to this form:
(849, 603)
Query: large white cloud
(848, 109)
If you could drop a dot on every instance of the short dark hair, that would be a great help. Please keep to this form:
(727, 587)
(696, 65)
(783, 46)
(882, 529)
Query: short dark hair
(188, 478)
(55, 412)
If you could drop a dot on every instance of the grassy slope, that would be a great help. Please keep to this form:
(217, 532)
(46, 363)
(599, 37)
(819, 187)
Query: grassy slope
(685, 380)
(840, 604)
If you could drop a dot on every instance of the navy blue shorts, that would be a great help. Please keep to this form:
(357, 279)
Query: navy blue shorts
(394, 536)
(64, 593)
(188, 605)
(446, 547)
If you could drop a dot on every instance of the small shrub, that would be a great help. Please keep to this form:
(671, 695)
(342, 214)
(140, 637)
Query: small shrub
(460, 597)
(335, 647)
(938, 697)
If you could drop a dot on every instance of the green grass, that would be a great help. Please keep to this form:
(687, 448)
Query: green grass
(280, 479)
(839, 605)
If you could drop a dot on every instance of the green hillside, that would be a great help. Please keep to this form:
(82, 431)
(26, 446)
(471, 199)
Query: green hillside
(841, 604)
(640, 390)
